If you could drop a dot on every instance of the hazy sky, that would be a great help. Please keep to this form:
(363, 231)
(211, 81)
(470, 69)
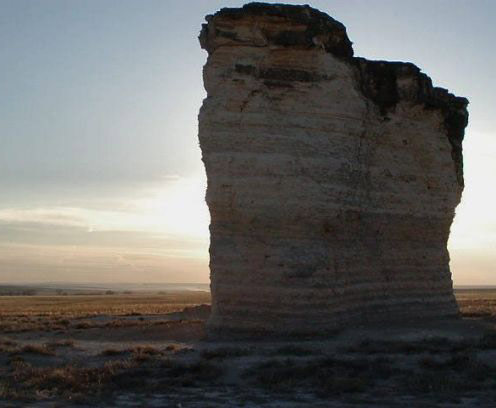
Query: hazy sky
(100, 170)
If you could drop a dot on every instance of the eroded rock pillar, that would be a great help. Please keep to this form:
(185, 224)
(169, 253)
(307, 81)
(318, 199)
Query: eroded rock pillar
(332, 180)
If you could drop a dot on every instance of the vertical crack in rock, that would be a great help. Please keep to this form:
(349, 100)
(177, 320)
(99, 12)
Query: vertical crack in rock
(332, 180)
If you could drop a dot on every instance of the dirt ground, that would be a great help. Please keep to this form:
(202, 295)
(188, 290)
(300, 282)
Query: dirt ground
(146, 350)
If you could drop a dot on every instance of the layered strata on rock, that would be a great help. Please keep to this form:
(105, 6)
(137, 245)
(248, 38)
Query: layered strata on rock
(332, 180)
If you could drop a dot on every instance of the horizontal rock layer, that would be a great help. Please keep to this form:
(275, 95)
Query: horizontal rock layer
(332, 180)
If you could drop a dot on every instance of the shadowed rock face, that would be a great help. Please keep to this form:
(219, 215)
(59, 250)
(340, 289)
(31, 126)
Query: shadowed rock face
(332, 180)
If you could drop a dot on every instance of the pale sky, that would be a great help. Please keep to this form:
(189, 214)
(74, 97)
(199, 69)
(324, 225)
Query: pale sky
(100, 171)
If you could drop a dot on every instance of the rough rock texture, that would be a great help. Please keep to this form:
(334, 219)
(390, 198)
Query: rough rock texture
(332, 180)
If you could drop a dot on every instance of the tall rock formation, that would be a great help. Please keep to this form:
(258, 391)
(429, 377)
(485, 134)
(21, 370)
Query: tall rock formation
(332, 180)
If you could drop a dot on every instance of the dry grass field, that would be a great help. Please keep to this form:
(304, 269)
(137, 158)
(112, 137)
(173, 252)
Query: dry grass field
(477, 302)
(84, 305)
(149, 350)
(27, 313)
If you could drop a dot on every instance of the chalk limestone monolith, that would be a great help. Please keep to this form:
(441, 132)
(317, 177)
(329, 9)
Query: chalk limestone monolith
(332, 180)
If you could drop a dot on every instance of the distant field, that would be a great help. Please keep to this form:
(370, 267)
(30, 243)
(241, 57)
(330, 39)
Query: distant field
(477, 302)
(475, 293)
(117, 305)
(473, 302)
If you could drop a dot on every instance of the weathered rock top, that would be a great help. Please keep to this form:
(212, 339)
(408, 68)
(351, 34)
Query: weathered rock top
(281, 25)
(303, 27)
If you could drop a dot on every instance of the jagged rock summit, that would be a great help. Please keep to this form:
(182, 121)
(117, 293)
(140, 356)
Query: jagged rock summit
(332, 180)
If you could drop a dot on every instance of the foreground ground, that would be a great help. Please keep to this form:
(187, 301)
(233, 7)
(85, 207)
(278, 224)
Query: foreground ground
(149, 350)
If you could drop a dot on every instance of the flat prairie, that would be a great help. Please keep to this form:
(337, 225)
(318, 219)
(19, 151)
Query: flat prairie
(86, 305)
(150, 350)
(477, 302)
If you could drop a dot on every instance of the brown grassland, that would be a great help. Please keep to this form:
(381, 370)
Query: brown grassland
(84, 305)
(150, 349)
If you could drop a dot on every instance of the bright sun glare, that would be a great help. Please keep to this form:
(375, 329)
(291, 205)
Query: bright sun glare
(179, 209)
